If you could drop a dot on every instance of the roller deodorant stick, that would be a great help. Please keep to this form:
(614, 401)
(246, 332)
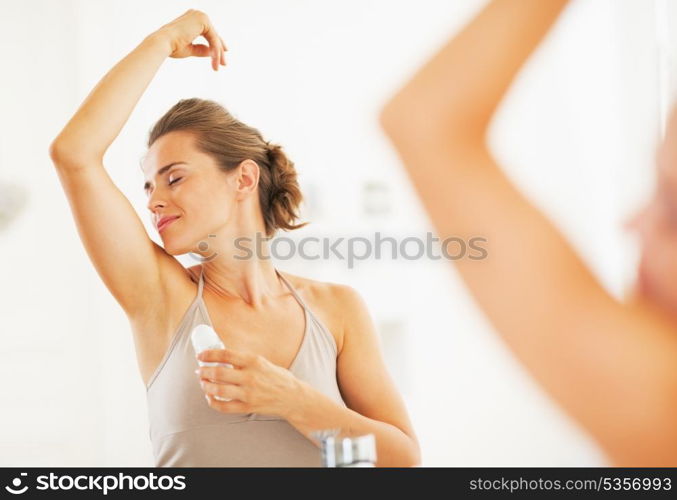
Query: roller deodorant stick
(204, 337)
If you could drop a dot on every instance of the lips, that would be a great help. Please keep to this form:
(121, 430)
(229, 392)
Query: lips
(165, 221)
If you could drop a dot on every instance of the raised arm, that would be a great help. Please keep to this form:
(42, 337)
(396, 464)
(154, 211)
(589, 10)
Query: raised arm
(125, 257)
(612, 367)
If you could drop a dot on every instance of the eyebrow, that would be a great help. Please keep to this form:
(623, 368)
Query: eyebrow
(162, 171)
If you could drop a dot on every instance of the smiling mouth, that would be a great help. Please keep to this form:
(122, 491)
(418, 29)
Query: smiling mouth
(166, 223)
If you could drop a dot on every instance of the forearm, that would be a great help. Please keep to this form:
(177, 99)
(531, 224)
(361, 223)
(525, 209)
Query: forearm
(315, 411)
(461, 86)
(104, 112)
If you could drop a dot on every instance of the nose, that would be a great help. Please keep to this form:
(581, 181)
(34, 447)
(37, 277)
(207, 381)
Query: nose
(155, 201)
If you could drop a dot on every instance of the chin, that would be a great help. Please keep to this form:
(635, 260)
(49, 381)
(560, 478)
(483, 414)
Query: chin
(169, 250)
(172, 248)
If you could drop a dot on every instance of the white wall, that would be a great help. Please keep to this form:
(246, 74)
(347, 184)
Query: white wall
(577, 135)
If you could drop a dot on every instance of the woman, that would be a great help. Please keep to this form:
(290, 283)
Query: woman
(299, 364)
(611, 365)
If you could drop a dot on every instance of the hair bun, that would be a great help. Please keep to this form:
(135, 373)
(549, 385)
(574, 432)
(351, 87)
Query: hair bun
(284, 194)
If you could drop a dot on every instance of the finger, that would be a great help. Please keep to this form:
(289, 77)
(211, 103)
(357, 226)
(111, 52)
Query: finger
(221, 374)
(237, 358)
(228, 391)
(234, 406)
(223, 51)
(199, 50)
(213, 40)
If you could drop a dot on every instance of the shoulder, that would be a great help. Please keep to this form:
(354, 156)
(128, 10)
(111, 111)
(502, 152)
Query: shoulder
(320, 288)
(334, 303)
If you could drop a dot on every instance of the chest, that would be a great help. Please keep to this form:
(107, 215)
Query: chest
(274, 331)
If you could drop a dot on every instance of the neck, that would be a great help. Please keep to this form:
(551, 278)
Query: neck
(251, 281)
(239, 265)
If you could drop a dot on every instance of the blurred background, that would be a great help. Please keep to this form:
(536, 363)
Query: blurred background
(577, 134)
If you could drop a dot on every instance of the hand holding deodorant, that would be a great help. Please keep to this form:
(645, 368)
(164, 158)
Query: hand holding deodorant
(204, 337)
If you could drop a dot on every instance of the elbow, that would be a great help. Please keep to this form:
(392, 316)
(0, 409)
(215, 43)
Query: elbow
(397, 118)
(65, 155)
(400, 452)
(414, 455)
(409, 124)
(388, 117)
(394, 111)
(55, 151)
(402, 126)
(409, 456)
(59, 153)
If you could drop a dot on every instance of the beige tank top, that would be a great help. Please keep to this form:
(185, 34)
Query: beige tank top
(186, 432)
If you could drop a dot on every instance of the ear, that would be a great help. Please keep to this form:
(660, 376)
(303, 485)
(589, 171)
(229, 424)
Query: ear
(247, 178)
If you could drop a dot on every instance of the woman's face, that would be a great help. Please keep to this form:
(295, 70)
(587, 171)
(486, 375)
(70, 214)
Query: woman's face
(192, 189)
(656, 224)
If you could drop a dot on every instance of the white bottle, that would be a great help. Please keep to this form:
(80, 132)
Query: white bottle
(204, 337)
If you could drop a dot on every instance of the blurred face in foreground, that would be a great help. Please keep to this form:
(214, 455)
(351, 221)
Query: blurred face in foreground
(656, 224)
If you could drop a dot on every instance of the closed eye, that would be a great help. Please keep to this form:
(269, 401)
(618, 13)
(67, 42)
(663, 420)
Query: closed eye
(177, 179)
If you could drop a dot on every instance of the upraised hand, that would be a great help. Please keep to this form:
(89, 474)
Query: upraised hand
(184, 29)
